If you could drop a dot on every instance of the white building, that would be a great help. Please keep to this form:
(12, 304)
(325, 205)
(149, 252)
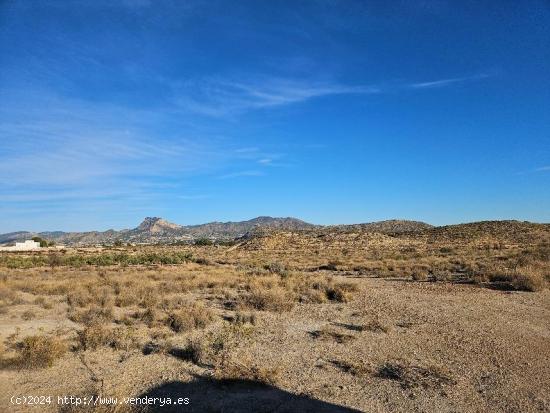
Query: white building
(28, 245)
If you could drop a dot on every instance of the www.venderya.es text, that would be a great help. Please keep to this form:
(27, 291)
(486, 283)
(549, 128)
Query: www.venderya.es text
(98, 400)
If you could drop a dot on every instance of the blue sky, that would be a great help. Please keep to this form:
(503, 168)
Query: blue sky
(333, 111)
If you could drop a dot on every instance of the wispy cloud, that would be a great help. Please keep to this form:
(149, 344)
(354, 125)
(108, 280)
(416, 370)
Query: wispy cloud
(543, 169)
(221, 98)
(241, 174)
(193, 197)
(56, 151)
(446, 82)
(247, 150)
(227, 98)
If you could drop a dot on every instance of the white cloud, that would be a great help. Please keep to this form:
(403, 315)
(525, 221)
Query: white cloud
(446, 82)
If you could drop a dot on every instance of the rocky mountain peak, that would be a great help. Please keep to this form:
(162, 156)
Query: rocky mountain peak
(156, 225)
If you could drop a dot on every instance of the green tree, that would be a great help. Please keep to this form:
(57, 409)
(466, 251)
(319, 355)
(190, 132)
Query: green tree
(41, 241)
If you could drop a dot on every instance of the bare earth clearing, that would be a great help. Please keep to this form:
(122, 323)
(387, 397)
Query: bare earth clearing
(354, 322)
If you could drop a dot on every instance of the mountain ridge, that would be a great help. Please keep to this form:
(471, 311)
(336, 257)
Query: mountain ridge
(159, 230)
(154, 230)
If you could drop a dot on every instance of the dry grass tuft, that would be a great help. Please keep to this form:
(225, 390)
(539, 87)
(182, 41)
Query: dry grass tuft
(92, 316)
(195, 351)
(527, 278)
(233, 370)
(195, 316)
(244, 318)
(79, 297)
(96, 336)
(419, 275)
(149, 317)
(28, 315)
(327, 333)
(269, 299)
(353, 368)
(42, 302)
(376, 326)
(341, 292)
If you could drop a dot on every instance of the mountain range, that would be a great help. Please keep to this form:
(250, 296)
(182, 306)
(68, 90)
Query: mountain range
(153, 230)
(157, 230)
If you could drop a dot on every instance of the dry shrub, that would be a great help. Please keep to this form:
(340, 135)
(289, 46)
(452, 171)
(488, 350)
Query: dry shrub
(160, 333)
(528, 278)
(149, 316)
(94, 336)
(273, 299)
(410, 376)
(203, 261)
(309, 289)
(41, 301)
(376, 326)
(79, 297)
(313, 296)
(93, 315)
(125, 298)
(215, 348)
(419, 275)
(44, 288)
(233, 370)
(104, 298)
(356, 369)
(442, 275)
(194, 351)
(28, 315)
(195, 316)
(331, 265)
(149, 297)
(119, 338)
(277, 268)
(7, 295)
(321, 289)
(173, 303)
(123, 338)
(341, 292)
(244, 318)
(39, 351)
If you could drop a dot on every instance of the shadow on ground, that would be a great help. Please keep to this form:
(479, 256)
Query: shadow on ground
(208, 395)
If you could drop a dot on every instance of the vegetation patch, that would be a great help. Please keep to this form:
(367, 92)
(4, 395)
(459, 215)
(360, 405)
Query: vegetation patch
(37, 351)
(194, 316)
(326, 333)
(410, 376)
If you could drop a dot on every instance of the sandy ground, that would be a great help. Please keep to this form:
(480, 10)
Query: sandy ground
(467, 349)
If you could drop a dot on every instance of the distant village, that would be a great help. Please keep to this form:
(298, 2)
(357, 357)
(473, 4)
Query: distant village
(34, 244)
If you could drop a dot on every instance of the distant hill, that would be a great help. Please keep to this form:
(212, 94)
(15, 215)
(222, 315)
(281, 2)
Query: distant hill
(397, 235)
(504, 231)
(392, 226)
(158, 230)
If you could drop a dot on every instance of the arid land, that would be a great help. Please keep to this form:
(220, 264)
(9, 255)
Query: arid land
(346, 319)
